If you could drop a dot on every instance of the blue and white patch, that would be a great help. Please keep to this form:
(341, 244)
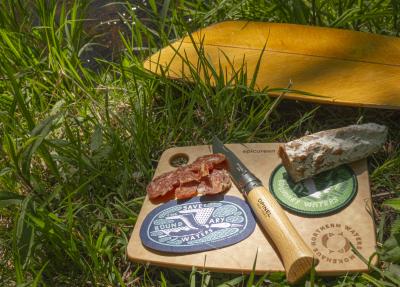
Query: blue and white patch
(199, 224)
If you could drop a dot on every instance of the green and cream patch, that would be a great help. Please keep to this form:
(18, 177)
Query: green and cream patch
(325, 193)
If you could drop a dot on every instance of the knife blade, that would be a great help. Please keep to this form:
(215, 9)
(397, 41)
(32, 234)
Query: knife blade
(296, 255)
(243, 178)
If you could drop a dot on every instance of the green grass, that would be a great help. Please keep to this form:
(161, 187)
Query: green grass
(78, 147)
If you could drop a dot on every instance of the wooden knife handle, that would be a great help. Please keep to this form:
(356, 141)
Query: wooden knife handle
(296, 256)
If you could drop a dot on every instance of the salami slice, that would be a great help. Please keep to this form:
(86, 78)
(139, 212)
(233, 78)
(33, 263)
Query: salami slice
(205, 175)
(218, 181)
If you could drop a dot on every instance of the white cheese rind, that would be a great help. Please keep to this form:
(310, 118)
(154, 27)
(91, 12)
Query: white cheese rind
(312, 154)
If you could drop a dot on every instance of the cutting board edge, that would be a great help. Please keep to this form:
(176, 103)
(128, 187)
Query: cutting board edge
(249, 270)
(170, 152)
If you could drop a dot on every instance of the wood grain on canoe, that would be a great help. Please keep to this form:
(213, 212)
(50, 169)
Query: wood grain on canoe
(338, 66)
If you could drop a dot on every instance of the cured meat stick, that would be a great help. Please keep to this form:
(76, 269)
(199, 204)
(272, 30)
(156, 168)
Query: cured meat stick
(315, 153)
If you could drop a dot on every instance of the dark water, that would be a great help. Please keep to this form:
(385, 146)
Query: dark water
(105, 21)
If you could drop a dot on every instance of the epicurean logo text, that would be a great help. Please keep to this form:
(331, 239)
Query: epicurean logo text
(258, 150)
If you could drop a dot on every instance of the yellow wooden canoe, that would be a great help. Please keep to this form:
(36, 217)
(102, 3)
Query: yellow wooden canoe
(342, 67)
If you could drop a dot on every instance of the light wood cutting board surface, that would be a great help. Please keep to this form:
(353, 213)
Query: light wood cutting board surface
(355, 223)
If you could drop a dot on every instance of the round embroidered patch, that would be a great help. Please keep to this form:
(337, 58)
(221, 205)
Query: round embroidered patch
(324, 193)
(199, 224)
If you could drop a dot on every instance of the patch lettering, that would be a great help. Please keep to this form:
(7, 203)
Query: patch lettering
(198, 224)
(331, 243)
(325, 193)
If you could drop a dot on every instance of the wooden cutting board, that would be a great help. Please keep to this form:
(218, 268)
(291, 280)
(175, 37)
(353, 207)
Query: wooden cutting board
(343, 67)
(355, 222)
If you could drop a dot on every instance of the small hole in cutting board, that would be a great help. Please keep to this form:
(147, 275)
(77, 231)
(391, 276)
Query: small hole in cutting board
(179, 159)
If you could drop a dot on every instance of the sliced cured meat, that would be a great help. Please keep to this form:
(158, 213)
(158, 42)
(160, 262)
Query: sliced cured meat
(218, 181)
(204, 175)
(186, 190)
(209, 160)
(167, 182)
(162, 184)
(204, 164)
